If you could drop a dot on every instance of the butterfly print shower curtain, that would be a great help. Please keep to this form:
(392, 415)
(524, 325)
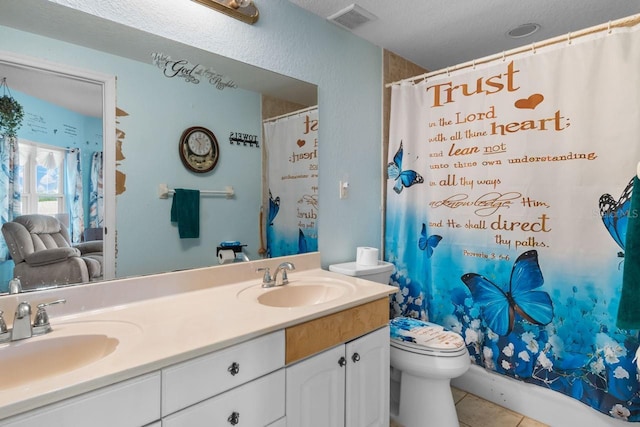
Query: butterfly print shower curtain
(507, 204)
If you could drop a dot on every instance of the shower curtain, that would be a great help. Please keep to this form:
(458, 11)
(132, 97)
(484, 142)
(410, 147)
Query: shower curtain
(507, 199)
(291, 144)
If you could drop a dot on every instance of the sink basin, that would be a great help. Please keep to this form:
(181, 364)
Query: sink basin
(299, 293)
(28, 360)
(69, 347)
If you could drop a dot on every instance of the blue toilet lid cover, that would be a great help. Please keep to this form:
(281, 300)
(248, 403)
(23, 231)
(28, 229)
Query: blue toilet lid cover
(425, 334)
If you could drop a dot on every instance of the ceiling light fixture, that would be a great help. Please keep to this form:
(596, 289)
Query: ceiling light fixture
(244, 10)
(523, 30)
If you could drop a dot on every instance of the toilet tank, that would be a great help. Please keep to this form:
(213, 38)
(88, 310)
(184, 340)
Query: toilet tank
(380, 273)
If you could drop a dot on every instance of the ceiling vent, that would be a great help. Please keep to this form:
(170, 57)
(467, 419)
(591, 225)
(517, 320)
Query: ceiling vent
(352, 17)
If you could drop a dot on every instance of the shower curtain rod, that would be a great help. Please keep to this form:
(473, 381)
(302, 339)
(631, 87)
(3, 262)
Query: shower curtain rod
(293, 113)
(629, 21)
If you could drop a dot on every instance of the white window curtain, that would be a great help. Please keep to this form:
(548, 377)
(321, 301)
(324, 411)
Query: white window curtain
(73, 194)
(9, 186)
(96, 195)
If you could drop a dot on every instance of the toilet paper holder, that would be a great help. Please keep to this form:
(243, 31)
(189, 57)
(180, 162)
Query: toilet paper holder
(236, 247)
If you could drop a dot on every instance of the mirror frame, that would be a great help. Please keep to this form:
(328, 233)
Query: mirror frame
(108, 84)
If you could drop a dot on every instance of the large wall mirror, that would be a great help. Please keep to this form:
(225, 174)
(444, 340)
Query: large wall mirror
(91, 65)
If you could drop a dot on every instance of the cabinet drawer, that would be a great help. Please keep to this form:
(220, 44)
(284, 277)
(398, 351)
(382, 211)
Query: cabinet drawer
(198, 379)
(258, 403)
(132, 403)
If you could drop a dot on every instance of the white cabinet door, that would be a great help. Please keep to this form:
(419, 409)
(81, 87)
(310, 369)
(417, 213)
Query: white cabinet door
(315, 390)
(367, 381)
(346, 386)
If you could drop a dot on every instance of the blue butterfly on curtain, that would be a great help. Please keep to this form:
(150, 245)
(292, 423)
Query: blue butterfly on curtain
(274, 207)
(615, 214)
(428, 243)
(499, 306)
(302, 242)
(403, 178)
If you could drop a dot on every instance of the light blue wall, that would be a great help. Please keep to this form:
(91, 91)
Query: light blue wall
(292, 41)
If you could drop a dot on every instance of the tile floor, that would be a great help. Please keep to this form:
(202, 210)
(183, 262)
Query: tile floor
(476, 412)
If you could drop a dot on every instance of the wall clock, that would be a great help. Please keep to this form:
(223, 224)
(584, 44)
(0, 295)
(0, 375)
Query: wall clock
(198, 149)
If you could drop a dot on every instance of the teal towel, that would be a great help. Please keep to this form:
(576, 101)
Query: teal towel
(629, 308)
(185, 210)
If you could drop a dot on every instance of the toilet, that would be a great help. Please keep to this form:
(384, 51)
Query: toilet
(424, 358)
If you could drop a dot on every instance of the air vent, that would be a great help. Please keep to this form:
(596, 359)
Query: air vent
(352, 17)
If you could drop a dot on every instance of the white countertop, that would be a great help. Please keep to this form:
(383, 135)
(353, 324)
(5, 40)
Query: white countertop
(155, 333)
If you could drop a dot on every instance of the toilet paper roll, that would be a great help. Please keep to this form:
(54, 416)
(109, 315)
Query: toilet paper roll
(226, 256)
(366, 256)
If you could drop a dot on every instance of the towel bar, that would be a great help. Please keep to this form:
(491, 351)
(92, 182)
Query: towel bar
(164, 192)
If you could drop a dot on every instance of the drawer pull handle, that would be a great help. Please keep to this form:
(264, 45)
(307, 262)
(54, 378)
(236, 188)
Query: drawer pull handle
(355, 357)
(342, 361)
(234, 369)
(234, 418)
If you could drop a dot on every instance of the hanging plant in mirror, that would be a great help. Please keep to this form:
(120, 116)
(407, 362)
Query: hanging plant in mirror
(11, 112)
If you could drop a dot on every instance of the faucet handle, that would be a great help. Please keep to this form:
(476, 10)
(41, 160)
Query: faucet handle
(285, 278)
(3, 324)
(5, 335)
(267, 280)
(41, 323)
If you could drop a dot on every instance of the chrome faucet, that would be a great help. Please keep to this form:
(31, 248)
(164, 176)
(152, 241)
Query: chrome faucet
(22, 327)
(269, 281)
(22, 322)
(283, 267)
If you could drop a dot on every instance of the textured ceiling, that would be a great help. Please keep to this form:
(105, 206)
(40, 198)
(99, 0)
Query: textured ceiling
(443, 33)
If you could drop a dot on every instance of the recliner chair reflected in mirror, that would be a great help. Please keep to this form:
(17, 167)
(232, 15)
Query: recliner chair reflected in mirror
(43, 254)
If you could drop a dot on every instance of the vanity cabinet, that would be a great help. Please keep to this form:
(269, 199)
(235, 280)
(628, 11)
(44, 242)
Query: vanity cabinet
(329, 371)
(347, 385)
(240, 385)
(131, 403)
